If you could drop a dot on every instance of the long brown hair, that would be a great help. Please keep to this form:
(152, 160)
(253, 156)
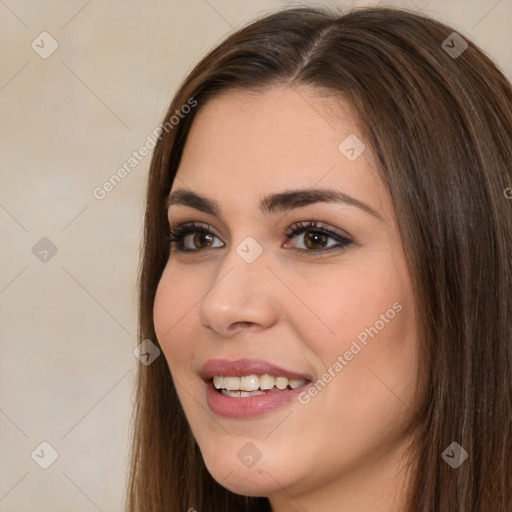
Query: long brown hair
(440, 126)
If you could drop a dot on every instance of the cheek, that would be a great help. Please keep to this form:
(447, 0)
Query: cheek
(377, 342)
(367, 353)
(364, 306)
(174, 314)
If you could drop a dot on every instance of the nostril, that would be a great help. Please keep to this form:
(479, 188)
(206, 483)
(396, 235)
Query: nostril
(242, 324)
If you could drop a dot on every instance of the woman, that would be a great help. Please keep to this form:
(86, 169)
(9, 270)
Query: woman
(327, 272)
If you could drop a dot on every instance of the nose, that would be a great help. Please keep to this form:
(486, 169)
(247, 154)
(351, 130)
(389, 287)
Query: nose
(240, 297)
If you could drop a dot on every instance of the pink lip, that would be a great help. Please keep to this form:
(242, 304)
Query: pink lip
(241, 367)
(249, 406)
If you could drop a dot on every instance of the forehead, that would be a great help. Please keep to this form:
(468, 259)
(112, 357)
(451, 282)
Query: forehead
(258, 143)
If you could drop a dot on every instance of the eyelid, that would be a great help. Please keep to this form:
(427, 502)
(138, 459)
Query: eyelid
(313, 225)
(306, 224)
(192, 224)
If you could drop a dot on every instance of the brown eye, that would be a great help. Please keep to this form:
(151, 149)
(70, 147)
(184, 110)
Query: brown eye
(193, 238)
(315, 240)
(310, 238)
(202, 240)
(197, 240)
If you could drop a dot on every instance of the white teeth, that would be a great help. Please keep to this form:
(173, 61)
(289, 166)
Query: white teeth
(231, 383)
(251, 393)
(249, 383)
(267, 382)
(241, 394)
(281, 382)
(253, 385)
(233, 394)
(296, 383)
(218, 381)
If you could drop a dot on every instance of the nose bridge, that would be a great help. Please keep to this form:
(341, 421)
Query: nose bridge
(238, 294)
(245, 260)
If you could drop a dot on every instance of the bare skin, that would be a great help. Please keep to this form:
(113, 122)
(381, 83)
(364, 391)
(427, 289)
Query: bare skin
(341, 448)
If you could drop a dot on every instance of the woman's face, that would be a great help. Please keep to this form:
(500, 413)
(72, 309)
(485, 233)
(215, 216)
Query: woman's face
(299, 282)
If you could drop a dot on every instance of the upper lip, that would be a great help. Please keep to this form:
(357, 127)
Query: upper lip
(241, 367)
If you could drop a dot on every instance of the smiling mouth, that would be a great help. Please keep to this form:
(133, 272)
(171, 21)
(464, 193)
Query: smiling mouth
(254, 385)
(247, 388)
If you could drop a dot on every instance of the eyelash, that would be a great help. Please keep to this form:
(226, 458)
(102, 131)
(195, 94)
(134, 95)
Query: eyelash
(178, 232)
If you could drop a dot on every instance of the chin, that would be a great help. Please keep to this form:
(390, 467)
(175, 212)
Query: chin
(256, 483)
(263, 479)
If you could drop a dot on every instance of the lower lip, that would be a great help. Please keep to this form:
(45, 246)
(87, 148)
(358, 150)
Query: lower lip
(249, 406)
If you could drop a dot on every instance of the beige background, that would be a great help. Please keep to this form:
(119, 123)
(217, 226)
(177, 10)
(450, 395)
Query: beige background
(67, 123)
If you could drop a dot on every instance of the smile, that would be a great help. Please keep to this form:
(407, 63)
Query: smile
(254, 385)
(245, 388)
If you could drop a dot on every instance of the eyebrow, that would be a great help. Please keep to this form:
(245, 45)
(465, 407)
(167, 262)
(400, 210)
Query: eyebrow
(274, 203)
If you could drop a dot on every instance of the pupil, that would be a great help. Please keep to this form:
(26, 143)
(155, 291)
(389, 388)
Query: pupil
(315, 240)
(202, 238)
